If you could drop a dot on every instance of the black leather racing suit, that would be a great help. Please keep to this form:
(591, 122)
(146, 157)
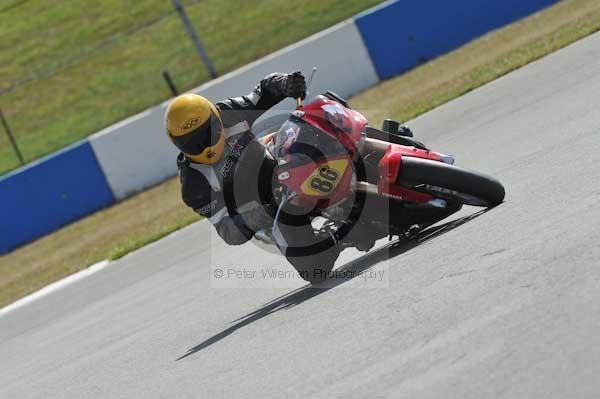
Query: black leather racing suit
(232, 193)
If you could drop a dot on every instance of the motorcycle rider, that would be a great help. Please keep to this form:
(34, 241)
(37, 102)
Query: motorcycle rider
(225, 173)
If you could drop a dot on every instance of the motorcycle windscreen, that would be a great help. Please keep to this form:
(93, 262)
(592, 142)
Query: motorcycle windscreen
(300, 142)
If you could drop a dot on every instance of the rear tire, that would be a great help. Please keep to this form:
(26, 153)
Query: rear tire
(450, 182)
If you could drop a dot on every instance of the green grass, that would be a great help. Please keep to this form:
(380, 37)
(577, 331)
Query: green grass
(150, 215)
(70, 68)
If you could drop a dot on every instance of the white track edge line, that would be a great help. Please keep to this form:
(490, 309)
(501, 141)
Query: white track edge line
(55, 286)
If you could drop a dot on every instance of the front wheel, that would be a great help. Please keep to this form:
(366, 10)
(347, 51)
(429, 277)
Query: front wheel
(450, 182)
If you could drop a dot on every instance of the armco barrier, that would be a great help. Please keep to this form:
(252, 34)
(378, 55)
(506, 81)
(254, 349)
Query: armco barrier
(136, 154)
(403, 33)
(50, 193)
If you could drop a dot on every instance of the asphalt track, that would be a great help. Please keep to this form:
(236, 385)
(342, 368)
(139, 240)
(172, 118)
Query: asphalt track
(504, 303)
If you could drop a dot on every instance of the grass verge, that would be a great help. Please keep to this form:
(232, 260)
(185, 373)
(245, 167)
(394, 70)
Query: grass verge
(69, 69)
(148, 216)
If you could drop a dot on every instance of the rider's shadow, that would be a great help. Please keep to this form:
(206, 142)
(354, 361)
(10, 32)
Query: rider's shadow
(356, 266)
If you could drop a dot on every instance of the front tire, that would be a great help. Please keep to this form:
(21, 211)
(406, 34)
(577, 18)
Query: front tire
(450, 182)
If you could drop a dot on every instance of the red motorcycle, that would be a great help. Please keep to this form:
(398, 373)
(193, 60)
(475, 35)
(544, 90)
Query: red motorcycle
(339, 171)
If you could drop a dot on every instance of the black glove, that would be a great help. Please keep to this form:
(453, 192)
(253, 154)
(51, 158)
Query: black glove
(294, 85)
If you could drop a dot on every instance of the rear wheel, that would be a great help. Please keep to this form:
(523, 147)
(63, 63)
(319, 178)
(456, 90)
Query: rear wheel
(450, 182)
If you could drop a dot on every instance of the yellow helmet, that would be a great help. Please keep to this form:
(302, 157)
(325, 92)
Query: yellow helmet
(194, 125)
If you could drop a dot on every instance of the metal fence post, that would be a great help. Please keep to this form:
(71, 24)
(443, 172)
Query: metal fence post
(169, 81)
(11, 138)
(189, 28)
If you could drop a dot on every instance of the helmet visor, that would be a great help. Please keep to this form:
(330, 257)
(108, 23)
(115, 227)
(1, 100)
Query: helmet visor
(199, 139)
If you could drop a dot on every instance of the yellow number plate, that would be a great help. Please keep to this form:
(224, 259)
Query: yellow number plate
(325, 178)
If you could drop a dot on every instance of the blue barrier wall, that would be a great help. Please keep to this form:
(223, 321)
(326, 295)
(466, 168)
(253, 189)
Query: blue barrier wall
(50, 193)
(403, 33)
